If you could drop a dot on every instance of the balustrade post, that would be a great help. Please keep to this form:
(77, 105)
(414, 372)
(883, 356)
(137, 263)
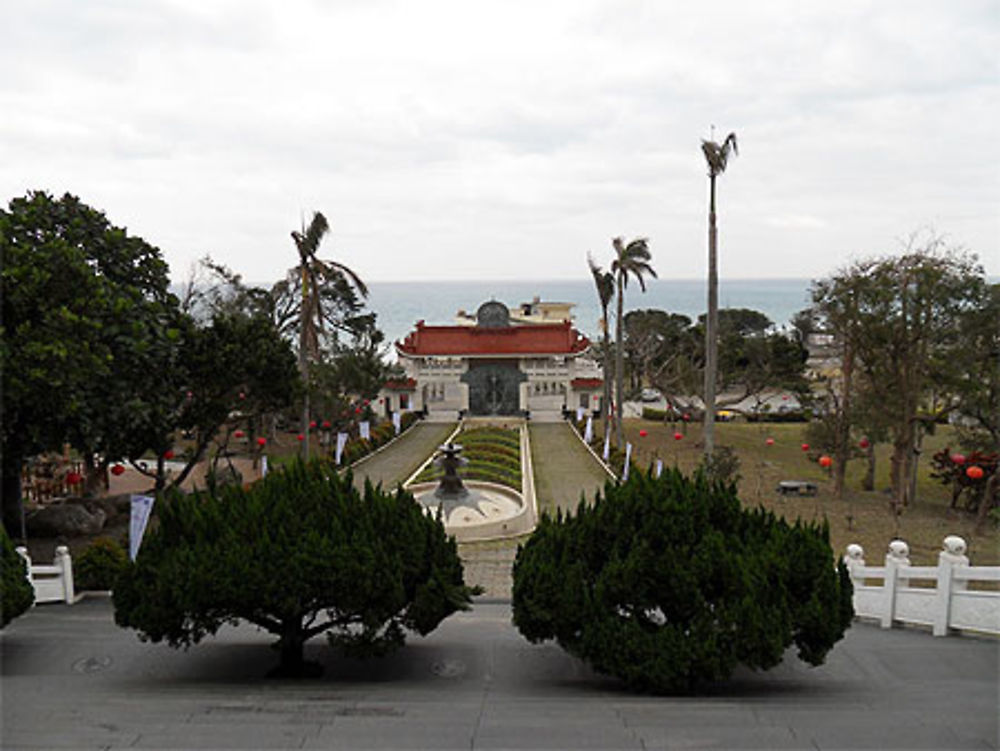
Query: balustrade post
(65, 563)
(952, 556)
(897, 557)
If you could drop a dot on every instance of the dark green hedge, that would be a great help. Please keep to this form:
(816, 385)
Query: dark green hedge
(16, 594)
(666, 583)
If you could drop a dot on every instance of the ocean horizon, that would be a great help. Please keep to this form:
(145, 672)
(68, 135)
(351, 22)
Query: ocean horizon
(399, 305)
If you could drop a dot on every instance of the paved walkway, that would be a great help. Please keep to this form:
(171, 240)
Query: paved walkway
(393, 465)
(563, 468)
(73, 680)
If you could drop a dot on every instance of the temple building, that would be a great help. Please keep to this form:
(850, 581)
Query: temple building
(533, 363)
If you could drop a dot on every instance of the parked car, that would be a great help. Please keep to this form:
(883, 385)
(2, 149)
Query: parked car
(650, 395)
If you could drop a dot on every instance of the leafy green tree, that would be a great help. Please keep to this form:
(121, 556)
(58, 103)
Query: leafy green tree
(897, 319)
(630, 260)
(717, 158)
(604, 282)
(87, 336)
(16, 592)
(667, 582)
(298, 554)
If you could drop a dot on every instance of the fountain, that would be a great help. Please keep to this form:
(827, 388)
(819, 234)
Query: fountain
(472, 510)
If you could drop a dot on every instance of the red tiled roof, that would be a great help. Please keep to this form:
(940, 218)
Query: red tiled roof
(408, 384)
(541, 339)
(587, 383)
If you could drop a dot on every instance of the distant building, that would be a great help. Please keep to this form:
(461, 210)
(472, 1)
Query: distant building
(499, 363)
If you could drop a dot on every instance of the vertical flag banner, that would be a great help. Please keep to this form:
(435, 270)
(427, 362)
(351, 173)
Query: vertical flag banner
(628, 457)
(579, 414)
(659, 467)
(263, 465)
(607, 446)
(365, 430)
(588, 432)
(142, 506)
(341, 442)
(396, 421)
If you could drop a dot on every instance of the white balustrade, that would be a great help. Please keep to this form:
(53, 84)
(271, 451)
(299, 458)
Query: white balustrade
(948, 604)
(52, 583)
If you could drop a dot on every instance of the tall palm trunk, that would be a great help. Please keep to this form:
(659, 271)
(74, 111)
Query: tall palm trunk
(304, 364)
(619, 368)
(711, 325)
(606, 406)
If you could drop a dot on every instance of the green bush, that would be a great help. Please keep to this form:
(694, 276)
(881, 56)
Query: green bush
(668, 582)
(99, 566)
(300, 553)
(16, 594)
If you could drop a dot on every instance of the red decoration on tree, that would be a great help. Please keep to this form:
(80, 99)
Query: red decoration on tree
(643, 433)
(769, 441)
(678, 436)
(864, 443)
(168, 454)
(117, 469)
(686, 417)
(300, 437)
(73, 478)
(312, 424)
(974, 473)
(262, 441)
(242, 395)
(958, 458)
(825, 461)
(326, 425)
(367, 402)
(357, 410)
(805, 446)
(238, 433)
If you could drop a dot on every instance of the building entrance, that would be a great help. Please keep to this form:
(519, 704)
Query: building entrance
(493, 387)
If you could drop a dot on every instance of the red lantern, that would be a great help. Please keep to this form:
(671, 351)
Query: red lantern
(805, 446)
(300, 437)
(326, 425)
(678, 436)
(974, 472)
(190, 394)
(238, 433)
(312, 424)
(357, 410)
(686, 417)
(168, 454)
(784, 397)
(73, 478)
(367, 402)
(825, 461)
(242, 395)
(596, 397)
(769, 441)
(958, 458)
(864, 443)
(262, 442)
(643, 433)
(117, 470)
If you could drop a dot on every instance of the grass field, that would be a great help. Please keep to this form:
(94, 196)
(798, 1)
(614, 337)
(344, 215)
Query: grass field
(923, 526)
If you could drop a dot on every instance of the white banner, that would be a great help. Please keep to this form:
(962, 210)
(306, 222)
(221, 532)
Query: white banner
(659, 467)
(142, 506)
(365, 430)
(588, 432)
(628, 457)
(341, 442)
(397, 421)
(263, 465)
(579, 414)
(607, 446)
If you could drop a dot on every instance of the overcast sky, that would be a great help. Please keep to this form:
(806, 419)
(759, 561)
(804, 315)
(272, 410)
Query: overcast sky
(506, 140)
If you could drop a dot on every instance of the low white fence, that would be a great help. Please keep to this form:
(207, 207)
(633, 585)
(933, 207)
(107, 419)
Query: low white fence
(51, 583)
(935, 596)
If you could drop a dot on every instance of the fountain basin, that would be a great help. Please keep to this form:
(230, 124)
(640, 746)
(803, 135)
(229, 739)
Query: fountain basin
(489, 511)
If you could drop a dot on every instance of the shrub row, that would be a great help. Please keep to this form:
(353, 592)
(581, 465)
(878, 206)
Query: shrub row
(357, 448)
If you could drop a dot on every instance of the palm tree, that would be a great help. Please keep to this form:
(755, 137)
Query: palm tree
(630, 260)
(717, 157)
(605, 283)
(314, 272)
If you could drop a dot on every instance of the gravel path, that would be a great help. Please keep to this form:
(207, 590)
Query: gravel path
(397, 462)
(563, 467)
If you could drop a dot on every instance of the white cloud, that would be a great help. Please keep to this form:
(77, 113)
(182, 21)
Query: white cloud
(509, 139)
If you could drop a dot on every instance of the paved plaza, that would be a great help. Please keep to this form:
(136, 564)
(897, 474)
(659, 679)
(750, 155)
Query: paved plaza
(71, 679)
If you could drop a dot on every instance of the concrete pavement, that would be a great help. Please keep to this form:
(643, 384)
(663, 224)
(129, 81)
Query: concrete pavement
(396, 462)
(72, 679)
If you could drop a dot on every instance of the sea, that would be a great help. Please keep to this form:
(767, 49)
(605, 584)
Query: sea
(399, 305)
